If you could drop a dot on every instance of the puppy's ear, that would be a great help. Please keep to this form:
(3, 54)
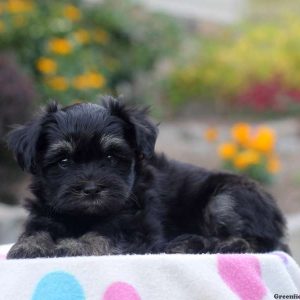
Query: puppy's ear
(143, 130)
(22, 141)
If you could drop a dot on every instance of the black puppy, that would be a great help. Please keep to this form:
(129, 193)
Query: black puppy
(100, 189)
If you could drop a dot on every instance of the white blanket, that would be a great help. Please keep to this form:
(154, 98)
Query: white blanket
(151, 277)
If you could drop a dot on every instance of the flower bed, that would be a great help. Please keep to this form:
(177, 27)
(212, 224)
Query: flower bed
(254, 65)
(76, 51)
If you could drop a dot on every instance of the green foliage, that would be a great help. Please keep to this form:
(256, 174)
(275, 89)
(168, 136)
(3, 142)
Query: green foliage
(255, 64)
(258, 172)
(75, 50)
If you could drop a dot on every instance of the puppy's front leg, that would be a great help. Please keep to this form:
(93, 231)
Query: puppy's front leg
(39, 244)
(87, 245)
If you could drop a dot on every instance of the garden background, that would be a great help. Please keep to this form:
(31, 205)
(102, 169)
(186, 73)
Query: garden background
(222, 77)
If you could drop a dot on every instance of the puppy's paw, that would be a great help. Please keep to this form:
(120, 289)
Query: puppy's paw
(187, 243)
(233, 245)
(69, 247)
(98, 245)
(87, 245)
(27, 250)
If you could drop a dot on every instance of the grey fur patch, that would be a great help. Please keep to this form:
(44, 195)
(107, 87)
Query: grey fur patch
(108, 141)
(221, 213)
(61, 146)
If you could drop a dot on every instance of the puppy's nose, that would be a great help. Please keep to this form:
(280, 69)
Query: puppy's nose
(91, 188)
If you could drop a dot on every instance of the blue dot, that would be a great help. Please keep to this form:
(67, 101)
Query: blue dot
(58, 286)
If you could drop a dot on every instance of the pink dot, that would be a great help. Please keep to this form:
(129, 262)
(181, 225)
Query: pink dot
(242, 274)
(121, 291)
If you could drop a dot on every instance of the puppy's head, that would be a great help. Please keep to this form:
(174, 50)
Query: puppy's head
(83, 156)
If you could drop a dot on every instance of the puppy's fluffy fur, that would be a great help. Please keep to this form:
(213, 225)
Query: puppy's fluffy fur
(101, 189)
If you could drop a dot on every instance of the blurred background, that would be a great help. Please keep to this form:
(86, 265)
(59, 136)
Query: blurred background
(221, 76)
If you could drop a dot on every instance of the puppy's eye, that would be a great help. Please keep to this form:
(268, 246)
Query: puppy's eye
(109, 156)
(63, 163)
(116, 157)
(112, 158)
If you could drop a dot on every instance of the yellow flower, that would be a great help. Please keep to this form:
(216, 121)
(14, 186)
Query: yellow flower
(46, 65)
(58, 83)
(72, 12)
(2, 8)
(240, 133)
(80, 82)
(90, 80)
(227, 150)
(264, 139)
(211, 134)
(2, 26)
(82, 36)
(19, 6)
(60, 46)
(97, 80)
(101, 36)
(246, 158)
(273, 164)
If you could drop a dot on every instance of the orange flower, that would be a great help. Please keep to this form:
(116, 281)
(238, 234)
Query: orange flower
(246, 158)
(60, 46)
(58, 83)
(240, 133)
(273, 165)
(211, 134)
(89, 80)
(19, 6)
(97, 80)
(80, 82)
(2, 8)
(46, 65)
(264, 139)
(227, 150)
(72, 12)
(82, 36)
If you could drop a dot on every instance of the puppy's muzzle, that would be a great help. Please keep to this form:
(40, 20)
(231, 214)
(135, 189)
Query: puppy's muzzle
(92, 189)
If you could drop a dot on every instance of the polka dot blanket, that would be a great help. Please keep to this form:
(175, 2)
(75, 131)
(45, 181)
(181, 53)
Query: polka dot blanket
(151, 277)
